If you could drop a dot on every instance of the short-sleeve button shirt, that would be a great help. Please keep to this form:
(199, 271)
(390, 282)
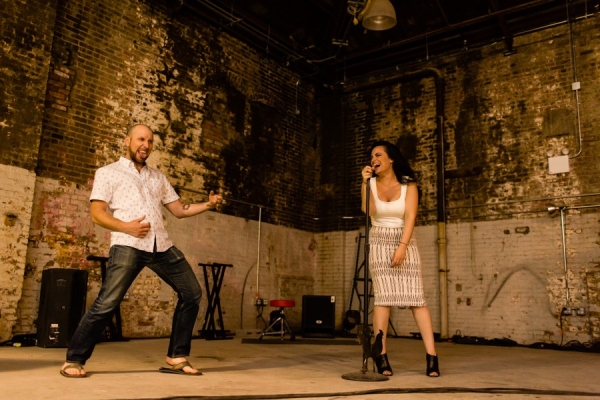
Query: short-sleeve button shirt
(130, 195)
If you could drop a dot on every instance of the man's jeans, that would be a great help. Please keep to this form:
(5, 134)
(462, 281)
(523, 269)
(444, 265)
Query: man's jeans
(124, 264)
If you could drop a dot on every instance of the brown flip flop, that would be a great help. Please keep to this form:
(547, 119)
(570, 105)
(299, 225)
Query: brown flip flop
(178, 369)
(76, 366)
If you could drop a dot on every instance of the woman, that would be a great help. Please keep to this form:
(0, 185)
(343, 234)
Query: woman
(394, 261)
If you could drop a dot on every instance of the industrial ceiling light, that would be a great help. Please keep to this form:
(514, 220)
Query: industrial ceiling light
(378, 15)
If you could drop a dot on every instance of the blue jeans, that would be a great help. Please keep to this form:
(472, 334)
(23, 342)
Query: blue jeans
(124, 264)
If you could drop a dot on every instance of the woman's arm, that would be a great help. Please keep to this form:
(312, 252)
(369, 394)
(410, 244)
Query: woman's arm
(410, 217)
(367, 173)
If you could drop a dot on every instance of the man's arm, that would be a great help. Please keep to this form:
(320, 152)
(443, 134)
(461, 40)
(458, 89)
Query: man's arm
(101, 216)
(180, 210)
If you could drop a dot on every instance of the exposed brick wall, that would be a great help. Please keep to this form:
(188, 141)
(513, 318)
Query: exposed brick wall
(61, 235)
(26, 37)
(226, 119)
(229, 119)
(287, 263)
(337, 264)
(26, 32)
(503, 115)
(16, 188)
(268, 155)
(224, 116)
(60, 83)
(515, 288)
(506, 278)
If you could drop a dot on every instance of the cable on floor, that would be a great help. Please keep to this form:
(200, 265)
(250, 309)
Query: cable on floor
(441, 390)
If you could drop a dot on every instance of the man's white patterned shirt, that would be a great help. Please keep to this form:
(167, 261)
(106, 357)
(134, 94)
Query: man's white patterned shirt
(130, 195)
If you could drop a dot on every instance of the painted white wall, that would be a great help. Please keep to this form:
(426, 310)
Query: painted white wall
(16, 197)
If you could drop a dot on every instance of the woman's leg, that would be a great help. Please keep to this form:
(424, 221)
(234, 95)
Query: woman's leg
(381, 320)
(423, 320)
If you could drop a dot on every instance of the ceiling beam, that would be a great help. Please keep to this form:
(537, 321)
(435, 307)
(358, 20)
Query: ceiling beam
(506, 32)
(254, 32)
(449, 28)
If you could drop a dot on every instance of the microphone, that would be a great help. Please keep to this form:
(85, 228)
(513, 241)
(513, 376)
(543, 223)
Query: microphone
(373, 174)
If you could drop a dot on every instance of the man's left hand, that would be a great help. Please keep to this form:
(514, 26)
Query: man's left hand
(214, 199)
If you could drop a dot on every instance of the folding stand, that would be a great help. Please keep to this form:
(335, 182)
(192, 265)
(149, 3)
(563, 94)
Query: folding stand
(209, 329)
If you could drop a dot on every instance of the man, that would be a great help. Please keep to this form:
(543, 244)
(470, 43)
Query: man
(126, 199)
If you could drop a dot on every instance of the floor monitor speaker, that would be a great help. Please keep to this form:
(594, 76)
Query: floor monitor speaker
(62, 304)
(318, 316)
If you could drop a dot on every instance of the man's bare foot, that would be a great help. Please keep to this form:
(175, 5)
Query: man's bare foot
(188, 369)
(72, 370)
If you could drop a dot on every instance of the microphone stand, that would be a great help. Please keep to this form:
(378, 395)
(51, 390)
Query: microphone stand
(365, 334)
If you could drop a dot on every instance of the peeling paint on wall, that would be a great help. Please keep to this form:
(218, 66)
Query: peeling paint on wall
(16, 190)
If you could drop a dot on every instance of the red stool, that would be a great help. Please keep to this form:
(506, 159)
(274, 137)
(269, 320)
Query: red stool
(280, 326)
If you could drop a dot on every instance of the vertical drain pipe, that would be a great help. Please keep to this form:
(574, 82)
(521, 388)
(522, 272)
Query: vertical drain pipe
(442, 249)
(441, 201)
(564, 251)
(258, 253)
(561, 209)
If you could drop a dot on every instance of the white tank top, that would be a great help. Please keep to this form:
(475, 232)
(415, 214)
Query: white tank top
(388, 214)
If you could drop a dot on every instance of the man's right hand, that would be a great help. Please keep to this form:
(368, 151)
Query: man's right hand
(101, 216)
(137, 228)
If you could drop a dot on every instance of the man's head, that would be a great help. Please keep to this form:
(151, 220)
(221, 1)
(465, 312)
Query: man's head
(139, 142)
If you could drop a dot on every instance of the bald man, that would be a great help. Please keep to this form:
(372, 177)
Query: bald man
(127, 199)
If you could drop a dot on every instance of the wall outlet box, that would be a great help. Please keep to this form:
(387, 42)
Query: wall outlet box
(558, 165)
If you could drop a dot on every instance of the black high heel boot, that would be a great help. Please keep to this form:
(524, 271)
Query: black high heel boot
(383, 365)
(432, 366)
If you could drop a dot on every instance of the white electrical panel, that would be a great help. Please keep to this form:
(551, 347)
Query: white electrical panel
(558, 165)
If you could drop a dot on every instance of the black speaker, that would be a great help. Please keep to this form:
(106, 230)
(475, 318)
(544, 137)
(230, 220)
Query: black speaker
(62, 304)
(318, 316)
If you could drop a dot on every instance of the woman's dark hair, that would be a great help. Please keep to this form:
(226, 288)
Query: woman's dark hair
(404, 173)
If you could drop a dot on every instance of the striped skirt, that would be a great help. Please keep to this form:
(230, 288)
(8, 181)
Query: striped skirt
(400, 286)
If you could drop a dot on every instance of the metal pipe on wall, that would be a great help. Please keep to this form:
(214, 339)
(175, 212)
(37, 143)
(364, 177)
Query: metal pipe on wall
(576, 85)
(561, 210)
(258, 253)
(442, 250)
(564, 251)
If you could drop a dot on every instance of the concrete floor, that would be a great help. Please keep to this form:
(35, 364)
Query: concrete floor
(236, 370)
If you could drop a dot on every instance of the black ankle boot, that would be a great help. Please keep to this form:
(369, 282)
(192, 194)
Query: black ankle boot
(432, 366)
(383, 365)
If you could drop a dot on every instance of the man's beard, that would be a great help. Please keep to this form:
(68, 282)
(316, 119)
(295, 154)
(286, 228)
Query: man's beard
(135, 158)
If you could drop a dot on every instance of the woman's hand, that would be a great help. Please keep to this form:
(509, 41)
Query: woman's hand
(367, 173)
(399, 255)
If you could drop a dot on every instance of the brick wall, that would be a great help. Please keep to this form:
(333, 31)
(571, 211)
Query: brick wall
(224, 116)
(229, 119)
(26, 33)
(503, 116)
(17, 186)
(288, 259)
(506, 278)
(61, 235)
(224, 120)
(27, 30)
